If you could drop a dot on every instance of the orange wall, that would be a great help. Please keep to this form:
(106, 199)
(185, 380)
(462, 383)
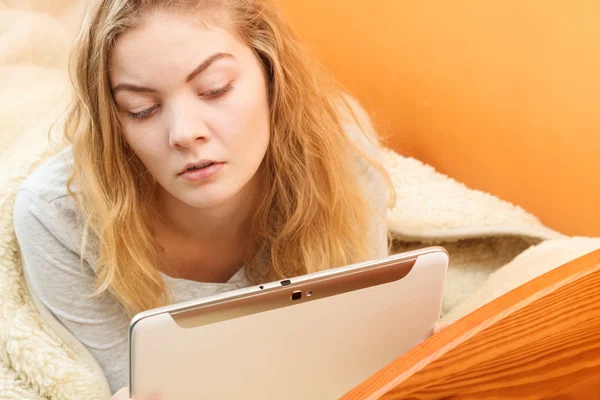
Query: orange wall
(501, 95)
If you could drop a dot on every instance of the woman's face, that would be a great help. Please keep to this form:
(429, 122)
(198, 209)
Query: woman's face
(190, 96)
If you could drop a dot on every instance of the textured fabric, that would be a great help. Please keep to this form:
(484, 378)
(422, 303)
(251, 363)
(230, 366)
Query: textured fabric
(526, 266)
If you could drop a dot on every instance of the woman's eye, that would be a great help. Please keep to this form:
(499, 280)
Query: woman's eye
(143, 114)
(212, 94)
(218, 92)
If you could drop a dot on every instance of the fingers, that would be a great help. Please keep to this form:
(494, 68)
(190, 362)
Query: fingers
(438, 327)
(122, 394)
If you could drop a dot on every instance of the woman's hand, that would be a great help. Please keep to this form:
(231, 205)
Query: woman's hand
(438, 327)
(123, 394)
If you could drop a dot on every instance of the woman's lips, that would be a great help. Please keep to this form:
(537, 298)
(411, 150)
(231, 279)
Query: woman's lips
(195, 175)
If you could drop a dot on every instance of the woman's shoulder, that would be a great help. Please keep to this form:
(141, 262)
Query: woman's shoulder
(43, 203)
(49, 180)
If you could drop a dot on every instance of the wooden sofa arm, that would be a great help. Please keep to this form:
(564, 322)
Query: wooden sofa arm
(540, 340)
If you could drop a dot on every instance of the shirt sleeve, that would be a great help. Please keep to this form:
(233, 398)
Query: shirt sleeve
(52, 265)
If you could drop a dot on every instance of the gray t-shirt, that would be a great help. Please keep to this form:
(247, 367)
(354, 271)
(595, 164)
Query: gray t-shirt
(48, 229)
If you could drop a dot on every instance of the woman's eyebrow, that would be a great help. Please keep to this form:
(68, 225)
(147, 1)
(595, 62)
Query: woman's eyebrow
(207, 63)
(203, 65)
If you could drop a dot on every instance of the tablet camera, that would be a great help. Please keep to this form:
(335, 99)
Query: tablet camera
(297, 295)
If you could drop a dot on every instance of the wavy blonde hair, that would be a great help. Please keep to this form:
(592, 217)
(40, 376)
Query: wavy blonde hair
(313, 215)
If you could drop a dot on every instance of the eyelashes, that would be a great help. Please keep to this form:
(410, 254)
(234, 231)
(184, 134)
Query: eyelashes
(143, 114)
(210, 95)
(218, 92)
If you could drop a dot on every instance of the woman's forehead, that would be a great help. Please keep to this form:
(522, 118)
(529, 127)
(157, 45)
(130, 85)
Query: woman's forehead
(168, 43)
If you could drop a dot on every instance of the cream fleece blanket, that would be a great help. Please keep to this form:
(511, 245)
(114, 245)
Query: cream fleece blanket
(494, 246)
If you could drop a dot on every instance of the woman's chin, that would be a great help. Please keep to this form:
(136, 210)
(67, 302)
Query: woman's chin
(205, 200)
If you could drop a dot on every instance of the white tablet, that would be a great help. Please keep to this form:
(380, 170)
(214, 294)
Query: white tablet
(315, 336)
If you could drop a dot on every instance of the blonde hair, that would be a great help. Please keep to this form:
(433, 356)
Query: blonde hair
(313, 215)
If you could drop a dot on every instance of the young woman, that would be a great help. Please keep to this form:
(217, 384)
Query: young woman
(207, 153)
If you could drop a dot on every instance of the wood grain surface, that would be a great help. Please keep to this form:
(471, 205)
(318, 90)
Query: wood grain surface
(541, 340)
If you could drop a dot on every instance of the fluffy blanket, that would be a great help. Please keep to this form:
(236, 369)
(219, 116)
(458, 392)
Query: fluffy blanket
(494, 246)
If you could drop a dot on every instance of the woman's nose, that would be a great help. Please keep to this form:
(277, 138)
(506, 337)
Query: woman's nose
(187, 125)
